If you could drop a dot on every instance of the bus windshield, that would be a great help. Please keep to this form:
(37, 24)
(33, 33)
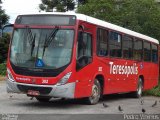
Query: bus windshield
(41, 48)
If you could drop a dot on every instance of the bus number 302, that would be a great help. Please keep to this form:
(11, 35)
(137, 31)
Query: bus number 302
(45, 81)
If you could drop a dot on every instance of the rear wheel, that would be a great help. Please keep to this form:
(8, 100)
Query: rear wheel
(43, 99)
(138, 92)
(96, 93)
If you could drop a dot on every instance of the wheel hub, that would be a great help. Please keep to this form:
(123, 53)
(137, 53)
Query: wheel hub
(139, 90)
(94, 92)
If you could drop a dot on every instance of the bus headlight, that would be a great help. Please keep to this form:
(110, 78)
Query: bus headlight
(9, 75)
(64, 79)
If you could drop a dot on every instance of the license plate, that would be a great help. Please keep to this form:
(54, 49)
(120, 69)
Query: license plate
(32, 92)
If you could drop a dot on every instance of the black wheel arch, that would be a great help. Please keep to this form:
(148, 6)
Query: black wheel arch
(142, 77)
(100, 78)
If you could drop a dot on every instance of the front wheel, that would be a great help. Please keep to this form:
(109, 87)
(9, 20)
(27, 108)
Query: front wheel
(96, 93)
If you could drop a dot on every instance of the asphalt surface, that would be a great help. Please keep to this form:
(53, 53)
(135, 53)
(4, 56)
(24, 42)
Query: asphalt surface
(21, 104)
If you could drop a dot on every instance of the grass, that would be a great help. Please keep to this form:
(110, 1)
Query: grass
(153, 92)
(2, 69)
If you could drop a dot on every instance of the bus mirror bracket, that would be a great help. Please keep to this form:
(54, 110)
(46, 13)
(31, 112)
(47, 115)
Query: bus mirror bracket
(5, 26)
(81, 27)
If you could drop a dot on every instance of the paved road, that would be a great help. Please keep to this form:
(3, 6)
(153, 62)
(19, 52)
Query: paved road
(21, 104)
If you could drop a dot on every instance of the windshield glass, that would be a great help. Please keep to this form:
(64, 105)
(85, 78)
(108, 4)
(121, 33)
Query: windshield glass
(42, 48)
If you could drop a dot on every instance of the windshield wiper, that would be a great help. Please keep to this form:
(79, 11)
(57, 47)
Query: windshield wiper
(33, 44)
(31, 38)
(49, 39)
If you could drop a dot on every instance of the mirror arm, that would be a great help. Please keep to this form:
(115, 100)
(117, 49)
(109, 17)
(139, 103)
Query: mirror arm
(8, 25)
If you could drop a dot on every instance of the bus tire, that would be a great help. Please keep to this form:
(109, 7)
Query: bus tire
(139, 90)
(96, 93)
(43, 99)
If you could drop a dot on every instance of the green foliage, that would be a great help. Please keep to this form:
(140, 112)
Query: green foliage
(4, 43)
(3, 17)
(59, 5)
(101, 9)
(3, 69)
(154, 92)
(81, 2)
(139, 15)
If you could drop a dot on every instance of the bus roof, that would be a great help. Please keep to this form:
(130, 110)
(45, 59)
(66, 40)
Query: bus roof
(104, 24)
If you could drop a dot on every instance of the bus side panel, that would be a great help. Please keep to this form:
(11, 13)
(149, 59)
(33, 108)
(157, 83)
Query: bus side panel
(103, 69)
(118, 80)
(128, 79)
(150, 75)
(84, 81)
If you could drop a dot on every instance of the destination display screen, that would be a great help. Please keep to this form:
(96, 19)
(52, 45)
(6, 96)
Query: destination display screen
(46, 20)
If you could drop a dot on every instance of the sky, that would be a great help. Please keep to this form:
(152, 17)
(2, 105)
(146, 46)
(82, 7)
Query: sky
(17, 7)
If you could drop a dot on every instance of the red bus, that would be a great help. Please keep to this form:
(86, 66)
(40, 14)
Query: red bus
(68, 55)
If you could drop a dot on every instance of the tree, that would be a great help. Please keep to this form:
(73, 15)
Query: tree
(3, 17)
(81, 2)
(100, 9)
(4, 44)
(139, 15)
(4, 41)
(58, 5)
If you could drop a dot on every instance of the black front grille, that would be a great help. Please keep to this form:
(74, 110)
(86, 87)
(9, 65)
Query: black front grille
(42, 90)
(38, 72)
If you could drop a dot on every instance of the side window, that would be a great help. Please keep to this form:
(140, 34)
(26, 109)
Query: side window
(147, 51)
(102, 40)
(84, 45)
(138, 49)
(127, 47)
(115, 44)
(84, 50)
(154, 53)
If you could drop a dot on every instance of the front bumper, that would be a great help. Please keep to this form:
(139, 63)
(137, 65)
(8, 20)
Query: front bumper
(62, 91)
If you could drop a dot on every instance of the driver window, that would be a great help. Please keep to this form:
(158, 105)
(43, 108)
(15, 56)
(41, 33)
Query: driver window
(84, 45)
